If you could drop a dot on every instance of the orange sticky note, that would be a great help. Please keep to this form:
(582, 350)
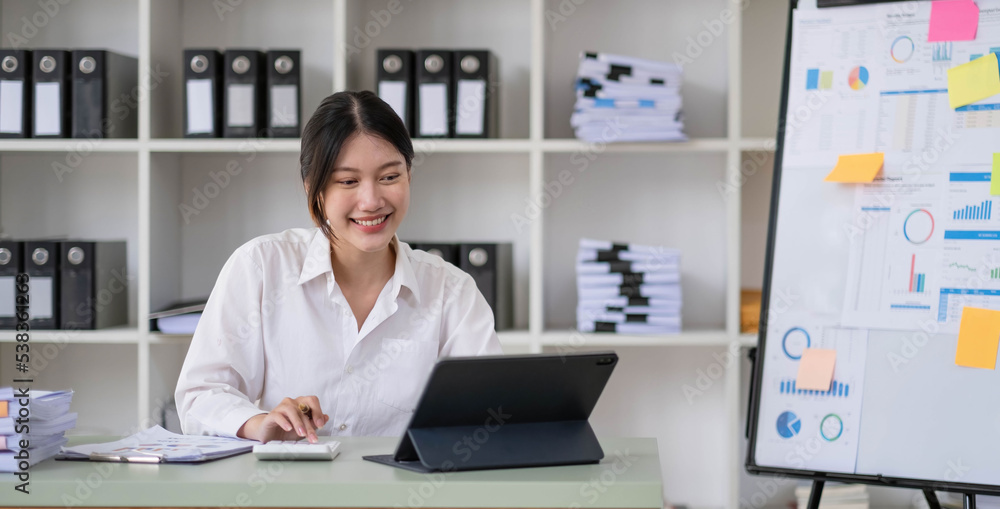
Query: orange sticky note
(978, 338)
(856, 168)
(816, 369)
(953, 20)
(3, 408)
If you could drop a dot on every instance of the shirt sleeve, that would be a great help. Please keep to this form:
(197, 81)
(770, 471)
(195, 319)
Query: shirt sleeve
(468, 322)
(222, 374)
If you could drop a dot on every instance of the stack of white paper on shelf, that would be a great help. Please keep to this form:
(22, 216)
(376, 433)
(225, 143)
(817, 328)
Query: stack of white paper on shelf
(628, 288)
(620, 98)
(37, 433)
(835, 496)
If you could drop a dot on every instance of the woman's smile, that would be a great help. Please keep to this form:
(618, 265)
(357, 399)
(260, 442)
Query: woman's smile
(370, 224)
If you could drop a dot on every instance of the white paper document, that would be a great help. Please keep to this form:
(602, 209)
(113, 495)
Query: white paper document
(158, 443)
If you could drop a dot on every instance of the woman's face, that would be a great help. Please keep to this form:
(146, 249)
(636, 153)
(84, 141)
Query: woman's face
(369, 193)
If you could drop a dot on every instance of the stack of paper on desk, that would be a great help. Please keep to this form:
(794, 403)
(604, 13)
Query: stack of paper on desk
(33, 432)
(627, 288)
(157, 445)
(620, 98)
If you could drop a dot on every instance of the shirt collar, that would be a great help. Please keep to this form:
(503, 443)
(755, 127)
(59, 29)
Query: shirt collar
(317, 262)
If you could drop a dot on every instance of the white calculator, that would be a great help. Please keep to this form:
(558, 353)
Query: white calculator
(297, 450)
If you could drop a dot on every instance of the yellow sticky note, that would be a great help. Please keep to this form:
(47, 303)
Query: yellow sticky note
(816, 369)
(974, 81)
(856, 168)
(995, 178)
(978, 338)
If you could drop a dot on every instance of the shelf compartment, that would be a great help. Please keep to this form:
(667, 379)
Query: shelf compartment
(468, 198)
(78, 196)
(664, 201)
(250, 24)
(504, 28)
(662, 31)
(101, 376)
(206, 206)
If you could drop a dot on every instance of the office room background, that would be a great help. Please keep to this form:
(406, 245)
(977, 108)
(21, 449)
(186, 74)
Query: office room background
(184, 205)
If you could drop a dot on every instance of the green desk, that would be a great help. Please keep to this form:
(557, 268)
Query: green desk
(629, 476)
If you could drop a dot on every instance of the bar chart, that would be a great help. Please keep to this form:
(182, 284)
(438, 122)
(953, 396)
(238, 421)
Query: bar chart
(837, 389)
(941, 52)
(817, 79)
(980, 212)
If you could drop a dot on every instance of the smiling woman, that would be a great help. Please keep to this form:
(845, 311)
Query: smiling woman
(332, 330)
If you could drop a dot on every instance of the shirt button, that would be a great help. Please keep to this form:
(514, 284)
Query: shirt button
(350, 369)
(347, 314)
(343, 427)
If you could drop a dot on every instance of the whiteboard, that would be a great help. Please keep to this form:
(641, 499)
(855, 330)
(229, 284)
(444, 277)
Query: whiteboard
(880, 272)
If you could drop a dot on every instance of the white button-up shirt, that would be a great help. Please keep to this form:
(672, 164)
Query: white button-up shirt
(278, 325)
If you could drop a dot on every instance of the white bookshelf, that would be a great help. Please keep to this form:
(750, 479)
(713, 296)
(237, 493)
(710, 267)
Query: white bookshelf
(658, 193)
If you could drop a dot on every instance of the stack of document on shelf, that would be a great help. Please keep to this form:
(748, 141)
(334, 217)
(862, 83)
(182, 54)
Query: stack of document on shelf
(835, 496)
(621, 98)
(34, 432)
(157, 445)
(628, 288)
(178, 318)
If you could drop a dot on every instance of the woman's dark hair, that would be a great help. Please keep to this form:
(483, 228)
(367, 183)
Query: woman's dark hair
(337, 118)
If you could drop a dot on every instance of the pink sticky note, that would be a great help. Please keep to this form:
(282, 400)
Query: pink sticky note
(953, 20)
(816, 369)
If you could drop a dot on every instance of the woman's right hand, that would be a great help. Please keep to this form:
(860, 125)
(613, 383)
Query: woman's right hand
(286, 422)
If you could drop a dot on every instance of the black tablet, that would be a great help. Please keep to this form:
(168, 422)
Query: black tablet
(505, 412)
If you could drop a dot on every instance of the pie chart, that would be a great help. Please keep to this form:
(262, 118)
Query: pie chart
(858, 77)
(789, 425)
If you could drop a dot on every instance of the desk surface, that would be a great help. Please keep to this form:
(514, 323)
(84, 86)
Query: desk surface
(628, 477)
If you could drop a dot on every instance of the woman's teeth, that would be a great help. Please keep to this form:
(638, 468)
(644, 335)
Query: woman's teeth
(370, 223)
